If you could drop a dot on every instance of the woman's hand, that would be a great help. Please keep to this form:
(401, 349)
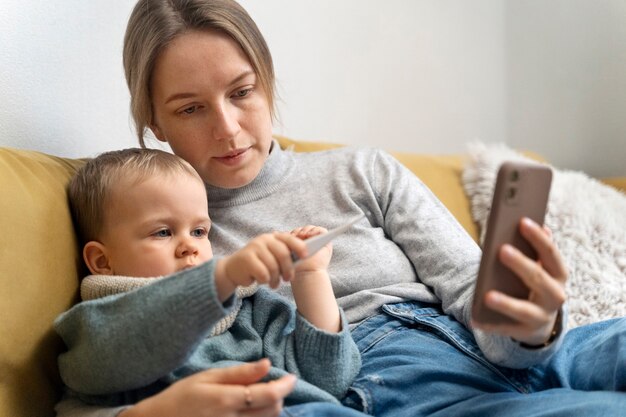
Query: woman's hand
(545, 278)
(222, 392)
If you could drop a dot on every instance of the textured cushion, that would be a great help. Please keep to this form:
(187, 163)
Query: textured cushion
(588, 222)
(38, 277)
(441, 173)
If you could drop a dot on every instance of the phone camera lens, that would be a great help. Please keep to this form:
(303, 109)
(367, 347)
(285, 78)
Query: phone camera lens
(514, 175)
(511, 193)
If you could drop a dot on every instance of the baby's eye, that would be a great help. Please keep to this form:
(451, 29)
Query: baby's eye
(199, 232)
(162, 233)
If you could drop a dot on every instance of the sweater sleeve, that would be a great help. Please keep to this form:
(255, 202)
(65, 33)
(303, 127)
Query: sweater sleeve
(330, 361)
(444, 256)
(327, 360)
(129, 340)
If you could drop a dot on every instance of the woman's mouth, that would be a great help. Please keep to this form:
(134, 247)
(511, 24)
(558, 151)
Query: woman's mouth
(233, 157)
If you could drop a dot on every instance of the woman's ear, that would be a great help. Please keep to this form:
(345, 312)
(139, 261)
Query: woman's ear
(157, 132)
(96, 259)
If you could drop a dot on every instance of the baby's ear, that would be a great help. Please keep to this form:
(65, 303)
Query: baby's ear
(96, 259)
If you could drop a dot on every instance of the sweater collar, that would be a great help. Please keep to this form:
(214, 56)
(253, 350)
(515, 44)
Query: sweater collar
(277, 168)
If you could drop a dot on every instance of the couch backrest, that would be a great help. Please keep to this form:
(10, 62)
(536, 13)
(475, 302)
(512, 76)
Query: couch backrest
(38, 277)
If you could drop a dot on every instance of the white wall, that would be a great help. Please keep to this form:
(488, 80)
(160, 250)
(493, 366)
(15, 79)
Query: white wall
(61, 78)
(411, 75)
(404, 74)
(566, 63)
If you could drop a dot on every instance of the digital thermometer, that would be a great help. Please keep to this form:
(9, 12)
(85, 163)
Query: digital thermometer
(318, 242)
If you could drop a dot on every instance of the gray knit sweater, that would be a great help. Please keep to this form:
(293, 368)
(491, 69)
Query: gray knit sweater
(158, 334)
(409, 247)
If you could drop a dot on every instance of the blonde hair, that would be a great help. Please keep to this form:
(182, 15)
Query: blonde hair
(91, 187)
(155, 23)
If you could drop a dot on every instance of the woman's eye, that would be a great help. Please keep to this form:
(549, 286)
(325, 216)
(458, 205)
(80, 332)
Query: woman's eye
(199, 232)
(163, 233)
(189, 110)
(243, 93)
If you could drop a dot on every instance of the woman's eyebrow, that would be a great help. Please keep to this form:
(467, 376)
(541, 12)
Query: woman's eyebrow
(179, 96)
(185, 95)
(241, 76)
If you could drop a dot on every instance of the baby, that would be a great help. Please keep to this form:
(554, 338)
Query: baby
(142, 215)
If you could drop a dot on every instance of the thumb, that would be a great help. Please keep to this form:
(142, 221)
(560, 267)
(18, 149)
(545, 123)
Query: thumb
(245, 374)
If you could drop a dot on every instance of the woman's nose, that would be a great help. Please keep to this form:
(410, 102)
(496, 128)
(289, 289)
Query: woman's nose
(226, 122)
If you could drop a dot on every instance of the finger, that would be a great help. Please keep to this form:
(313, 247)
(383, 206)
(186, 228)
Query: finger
(294, 244)
(270, 264)
(547, 251)
(550, 291)
(524, 312)
(245, 374)
(282, 257)
(269, 393)
(311, 231)
(548, 231)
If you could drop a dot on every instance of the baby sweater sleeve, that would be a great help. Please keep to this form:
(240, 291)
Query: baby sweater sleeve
(330, 361)
(129, 340)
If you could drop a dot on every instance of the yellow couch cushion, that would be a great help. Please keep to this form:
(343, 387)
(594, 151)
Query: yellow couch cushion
(38, 277)
(441, 173)
(617, 182)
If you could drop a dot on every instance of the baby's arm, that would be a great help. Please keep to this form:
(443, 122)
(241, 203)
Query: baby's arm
(268, 258)
(129, 340)
(265, 260)
(311, 286)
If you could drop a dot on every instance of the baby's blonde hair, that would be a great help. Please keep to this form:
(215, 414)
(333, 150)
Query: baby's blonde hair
(91, 187)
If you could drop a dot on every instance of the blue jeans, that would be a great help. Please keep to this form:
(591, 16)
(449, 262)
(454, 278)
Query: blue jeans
(419, 362)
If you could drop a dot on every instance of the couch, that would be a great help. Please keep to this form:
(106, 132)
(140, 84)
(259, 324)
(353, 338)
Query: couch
(40, 263)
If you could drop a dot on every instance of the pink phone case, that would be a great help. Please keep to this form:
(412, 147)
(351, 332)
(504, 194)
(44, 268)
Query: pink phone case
(521, 190)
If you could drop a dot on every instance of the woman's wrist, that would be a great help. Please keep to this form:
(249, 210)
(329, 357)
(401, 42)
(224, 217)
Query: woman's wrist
(556, 331)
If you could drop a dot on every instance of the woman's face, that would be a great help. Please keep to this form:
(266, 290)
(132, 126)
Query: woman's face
(209, 107)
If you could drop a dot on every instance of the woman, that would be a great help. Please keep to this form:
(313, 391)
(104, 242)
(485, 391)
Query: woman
(201, 79)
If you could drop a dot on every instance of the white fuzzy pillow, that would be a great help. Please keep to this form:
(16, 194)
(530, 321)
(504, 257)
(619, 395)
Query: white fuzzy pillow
(588, 222)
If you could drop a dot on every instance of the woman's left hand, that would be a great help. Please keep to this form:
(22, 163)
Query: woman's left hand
(546, 277)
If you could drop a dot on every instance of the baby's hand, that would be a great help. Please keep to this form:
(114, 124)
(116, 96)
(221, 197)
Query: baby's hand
(264, 260)
(320, 260)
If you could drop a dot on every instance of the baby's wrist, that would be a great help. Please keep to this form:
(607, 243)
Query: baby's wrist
(311, 275)
(223, 284)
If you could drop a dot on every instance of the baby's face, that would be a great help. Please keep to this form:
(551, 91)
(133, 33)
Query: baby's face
(157, 227)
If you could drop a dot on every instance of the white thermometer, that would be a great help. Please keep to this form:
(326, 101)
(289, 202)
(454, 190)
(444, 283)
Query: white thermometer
(318, 242)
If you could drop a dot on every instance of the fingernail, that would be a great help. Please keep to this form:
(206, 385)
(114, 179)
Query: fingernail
(528, 222)
(507, 250)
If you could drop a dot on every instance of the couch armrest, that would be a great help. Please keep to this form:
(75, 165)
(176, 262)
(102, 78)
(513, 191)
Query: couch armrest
(38, 277)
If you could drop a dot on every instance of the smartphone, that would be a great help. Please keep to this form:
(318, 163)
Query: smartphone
(522, 190)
